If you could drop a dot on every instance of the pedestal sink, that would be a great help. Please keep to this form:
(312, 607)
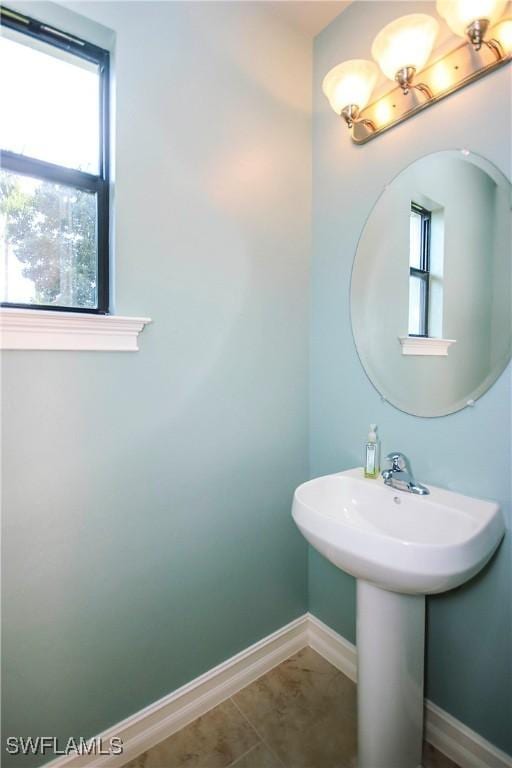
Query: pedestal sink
(400, 547)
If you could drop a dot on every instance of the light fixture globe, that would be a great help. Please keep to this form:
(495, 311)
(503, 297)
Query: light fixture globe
(504, 36)
(405, 45)
(471, 18)
(460, 14)
(349, 86)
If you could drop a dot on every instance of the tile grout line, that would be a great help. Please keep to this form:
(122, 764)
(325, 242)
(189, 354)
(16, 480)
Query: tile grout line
(241, 757)
(258, 734)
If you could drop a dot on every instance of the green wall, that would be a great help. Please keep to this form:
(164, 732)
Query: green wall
(469, 629)
(146, 496)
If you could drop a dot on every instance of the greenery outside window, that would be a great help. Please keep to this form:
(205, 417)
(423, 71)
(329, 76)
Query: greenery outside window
(54, 177)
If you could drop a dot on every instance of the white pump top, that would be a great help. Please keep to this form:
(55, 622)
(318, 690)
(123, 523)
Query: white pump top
(372, 434)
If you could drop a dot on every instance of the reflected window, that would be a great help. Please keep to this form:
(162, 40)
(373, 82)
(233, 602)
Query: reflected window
(420, 223)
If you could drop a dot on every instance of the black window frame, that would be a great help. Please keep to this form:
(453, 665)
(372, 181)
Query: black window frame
(423, 272)
(97, 183)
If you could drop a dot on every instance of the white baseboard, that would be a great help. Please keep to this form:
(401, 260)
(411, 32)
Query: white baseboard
(160, 720)
(333, 647)
(460, 743)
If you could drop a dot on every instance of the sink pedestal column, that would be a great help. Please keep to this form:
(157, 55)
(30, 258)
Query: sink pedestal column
(390, 651)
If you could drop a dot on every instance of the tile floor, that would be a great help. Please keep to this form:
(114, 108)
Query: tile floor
(302, 714)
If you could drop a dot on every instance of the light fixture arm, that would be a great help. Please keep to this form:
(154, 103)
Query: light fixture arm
(404, 77)
(424, 89)
(350, 114)
(476, 32)
(496, 47)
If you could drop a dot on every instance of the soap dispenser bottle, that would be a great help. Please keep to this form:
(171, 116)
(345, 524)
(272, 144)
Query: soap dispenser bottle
(372, 453)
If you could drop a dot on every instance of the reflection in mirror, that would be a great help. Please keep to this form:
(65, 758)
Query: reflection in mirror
(431, 300)
(419, 269)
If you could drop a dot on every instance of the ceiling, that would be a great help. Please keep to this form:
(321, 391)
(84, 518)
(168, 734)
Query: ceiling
(309, 16)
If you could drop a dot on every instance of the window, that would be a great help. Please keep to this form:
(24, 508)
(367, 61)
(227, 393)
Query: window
(54, 178)
(419, 269)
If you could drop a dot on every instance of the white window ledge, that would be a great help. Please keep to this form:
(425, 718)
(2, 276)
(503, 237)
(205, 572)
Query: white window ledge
(423, 345)
(46, 330)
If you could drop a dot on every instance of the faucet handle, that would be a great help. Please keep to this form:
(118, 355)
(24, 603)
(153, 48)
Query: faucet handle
(398, 461)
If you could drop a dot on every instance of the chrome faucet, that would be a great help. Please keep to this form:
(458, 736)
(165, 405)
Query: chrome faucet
(399, 475)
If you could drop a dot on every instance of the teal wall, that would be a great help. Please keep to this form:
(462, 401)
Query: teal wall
(146, 497)
(146, 508)
(469, 629)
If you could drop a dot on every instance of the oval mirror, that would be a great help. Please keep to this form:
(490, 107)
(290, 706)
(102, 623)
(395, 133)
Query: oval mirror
(431, 284)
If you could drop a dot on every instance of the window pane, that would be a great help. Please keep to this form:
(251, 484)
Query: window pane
(415, 306)
(415, 240)
(48, 243)
(50, 103)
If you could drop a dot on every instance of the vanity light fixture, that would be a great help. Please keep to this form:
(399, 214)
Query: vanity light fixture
(403, 48)
(472, 19)
(348, 87)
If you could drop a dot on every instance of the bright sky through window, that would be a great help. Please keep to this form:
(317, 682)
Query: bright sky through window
(50, 104)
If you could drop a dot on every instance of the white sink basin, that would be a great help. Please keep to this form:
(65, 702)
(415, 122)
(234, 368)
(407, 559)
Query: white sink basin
(398, 541)
(400, 547)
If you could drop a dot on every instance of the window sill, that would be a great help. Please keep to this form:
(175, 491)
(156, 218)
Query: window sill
(45, 330)
(422, 345)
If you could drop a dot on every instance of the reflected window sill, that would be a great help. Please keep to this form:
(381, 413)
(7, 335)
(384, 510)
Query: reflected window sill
(33, 329)
(422, 345)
